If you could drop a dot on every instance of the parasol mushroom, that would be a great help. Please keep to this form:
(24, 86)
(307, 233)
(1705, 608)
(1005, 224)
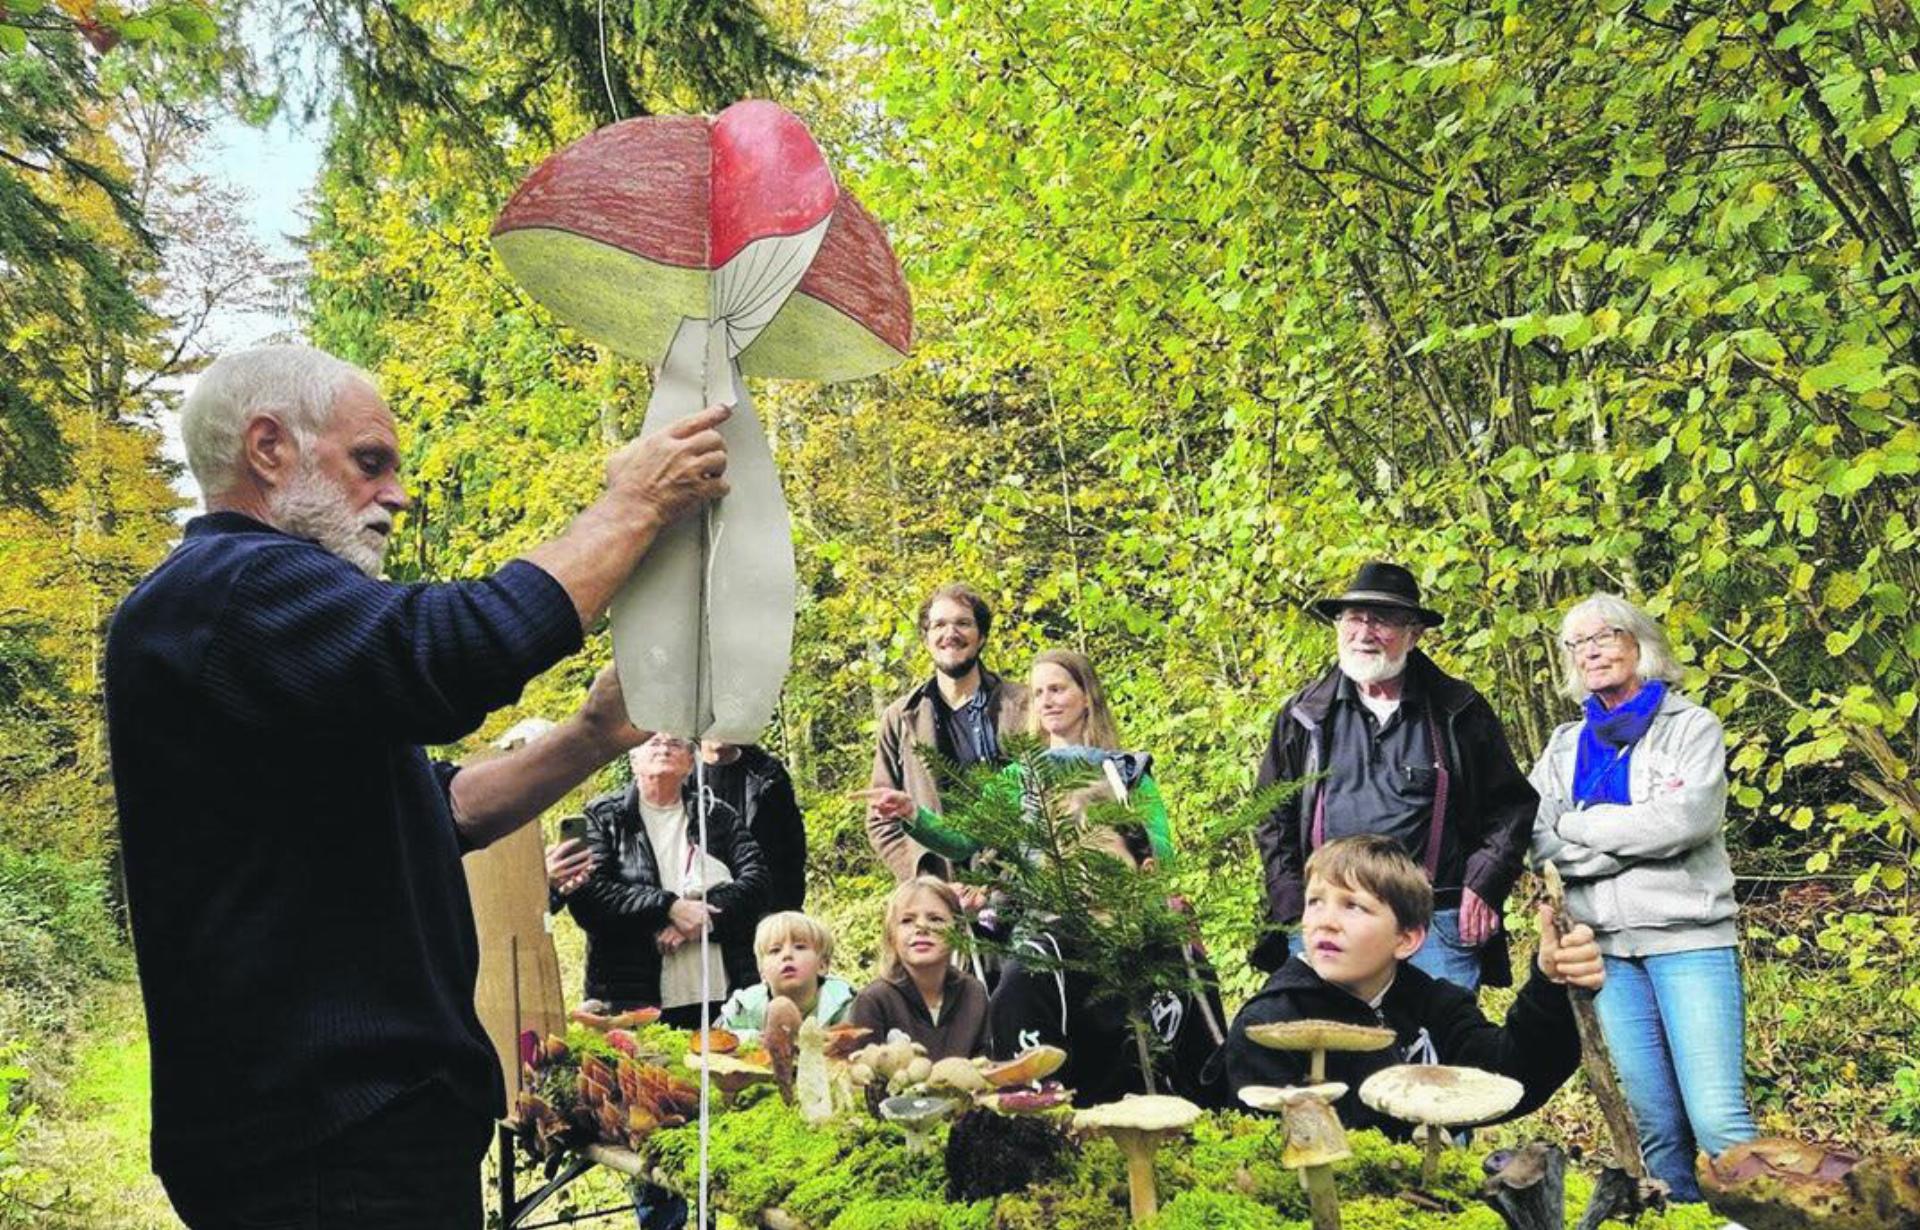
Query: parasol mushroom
(1138, 1123)
(1315, 1141)
(1317, 1038)
(1435, 1096)
(916, 1115)
(712, 249)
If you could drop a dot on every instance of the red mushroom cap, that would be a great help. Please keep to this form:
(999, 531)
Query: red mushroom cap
(620, 234)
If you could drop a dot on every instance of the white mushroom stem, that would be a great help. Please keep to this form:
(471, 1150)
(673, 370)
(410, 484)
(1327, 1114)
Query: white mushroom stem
(1314, 1130)
(1317, 1066)
(1143, 1198)
(1430, 1164)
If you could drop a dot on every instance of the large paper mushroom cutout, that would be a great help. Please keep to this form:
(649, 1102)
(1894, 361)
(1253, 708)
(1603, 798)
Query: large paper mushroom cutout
(710, 249)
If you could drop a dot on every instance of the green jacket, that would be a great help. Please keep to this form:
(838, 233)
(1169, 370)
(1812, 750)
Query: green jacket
(745, 1012)
(927, 829)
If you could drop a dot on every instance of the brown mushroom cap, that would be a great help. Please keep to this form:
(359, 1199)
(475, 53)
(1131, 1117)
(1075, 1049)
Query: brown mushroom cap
(1442, 1096)
(1029, 1067)
(1319, 1036)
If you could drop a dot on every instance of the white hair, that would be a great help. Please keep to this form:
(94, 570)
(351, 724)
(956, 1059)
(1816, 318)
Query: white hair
(297, 385)
(1656, 654)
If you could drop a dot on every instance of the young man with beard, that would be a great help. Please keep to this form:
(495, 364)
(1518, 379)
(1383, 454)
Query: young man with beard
(1386, 742)
(965, 711)
(305, 943)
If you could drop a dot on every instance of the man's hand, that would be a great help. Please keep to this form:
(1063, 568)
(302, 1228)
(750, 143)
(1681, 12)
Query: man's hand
(1478, 920)
(664, 474)
(667, 939)
(569, 863)
(604, 714)
(690, 916)
(886, 803)
(1572, 959)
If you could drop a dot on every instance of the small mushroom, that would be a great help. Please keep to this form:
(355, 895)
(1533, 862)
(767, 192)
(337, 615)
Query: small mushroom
(812, 1088)
(955, 1075)
(1138, 1123)
(1027, 1101)
(1030, 1067)
(1319, 1037)
(916, 1115)
(780, 1031)
(729, 1073)
(1315, 1141)
(1435, 1096)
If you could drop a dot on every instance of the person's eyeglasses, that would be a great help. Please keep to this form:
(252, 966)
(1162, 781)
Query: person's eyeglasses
(1353, 617)
(1602, 639)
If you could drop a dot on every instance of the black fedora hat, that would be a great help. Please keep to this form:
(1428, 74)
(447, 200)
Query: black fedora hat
(1379, 583)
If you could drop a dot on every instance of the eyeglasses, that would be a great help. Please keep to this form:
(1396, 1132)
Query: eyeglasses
(1602, 639)
(1354, 617)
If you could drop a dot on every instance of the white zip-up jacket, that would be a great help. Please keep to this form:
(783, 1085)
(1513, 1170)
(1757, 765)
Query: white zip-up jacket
(1650, 876)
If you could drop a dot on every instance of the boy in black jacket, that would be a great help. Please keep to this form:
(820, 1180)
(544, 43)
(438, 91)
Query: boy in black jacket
(1367, 910)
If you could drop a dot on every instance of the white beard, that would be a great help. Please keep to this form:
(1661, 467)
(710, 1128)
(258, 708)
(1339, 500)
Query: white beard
(1366, 668)
(313, 506)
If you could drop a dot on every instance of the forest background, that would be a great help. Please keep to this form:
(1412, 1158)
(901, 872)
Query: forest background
(1213, 302)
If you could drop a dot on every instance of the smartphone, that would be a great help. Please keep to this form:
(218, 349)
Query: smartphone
(573, 828)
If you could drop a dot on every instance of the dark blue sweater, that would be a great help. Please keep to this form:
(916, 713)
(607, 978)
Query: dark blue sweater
(305, 942)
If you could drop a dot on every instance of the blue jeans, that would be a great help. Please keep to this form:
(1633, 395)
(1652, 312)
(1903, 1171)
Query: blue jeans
(1675, 1024)
(1442, 956)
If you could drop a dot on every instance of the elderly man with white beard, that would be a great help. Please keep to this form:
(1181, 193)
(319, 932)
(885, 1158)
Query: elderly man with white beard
(305, 943)
(1386, 742)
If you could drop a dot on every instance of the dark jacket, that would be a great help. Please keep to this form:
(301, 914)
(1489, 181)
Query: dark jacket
(1490, 805)
(895, 1003)
(907, 724)
(622, 907)
(757, 786)
(291, 859)
(1538, 1046)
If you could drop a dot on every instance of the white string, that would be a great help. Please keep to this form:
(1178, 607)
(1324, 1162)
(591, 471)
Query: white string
(606, 78)
(706, 975)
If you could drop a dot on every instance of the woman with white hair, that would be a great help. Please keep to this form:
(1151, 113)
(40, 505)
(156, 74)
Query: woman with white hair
(1632, 802)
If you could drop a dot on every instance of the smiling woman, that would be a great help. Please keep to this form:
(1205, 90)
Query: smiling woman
(1632, 802)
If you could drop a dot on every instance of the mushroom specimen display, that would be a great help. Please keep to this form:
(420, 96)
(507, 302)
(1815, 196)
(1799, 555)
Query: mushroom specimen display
(1315, 1141)
(1435, 1097)
(1138, 1123)
(1317, 1038)
(916, 1115)
(729, 1073)
(712, 249)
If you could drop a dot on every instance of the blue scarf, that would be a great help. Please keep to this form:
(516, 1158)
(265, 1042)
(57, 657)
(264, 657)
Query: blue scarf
(1607, 739)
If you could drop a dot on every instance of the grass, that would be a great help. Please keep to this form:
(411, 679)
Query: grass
(91, 1143)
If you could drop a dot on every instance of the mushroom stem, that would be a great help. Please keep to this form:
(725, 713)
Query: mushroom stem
(1323, 1201)
(1317, 1067)
(1143, 1198)
(917, 1139)
(1430, 1164)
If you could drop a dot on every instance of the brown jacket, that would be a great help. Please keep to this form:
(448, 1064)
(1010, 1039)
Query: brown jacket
(906, 724)
(895, 1003)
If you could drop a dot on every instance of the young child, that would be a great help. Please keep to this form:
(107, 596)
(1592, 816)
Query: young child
(794, 951)
(1368, 908)
(920, 991)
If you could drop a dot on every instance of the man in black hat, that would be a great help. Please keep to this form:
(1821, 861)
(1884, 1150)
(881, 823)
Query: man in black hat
(1388, 743)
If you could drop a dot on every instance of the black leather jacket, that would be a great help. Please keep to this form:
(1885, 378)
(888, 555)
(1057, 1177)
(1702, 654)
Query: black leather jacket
(622, 906)
(758, 785)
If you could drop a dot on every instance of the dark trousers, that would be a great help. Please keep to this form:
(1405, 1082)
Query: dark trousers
(415, 1165)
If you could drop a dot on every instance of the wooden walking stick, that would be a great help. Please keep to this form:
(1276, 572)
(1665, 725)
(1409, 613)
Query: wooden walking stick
(1623, 1189)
